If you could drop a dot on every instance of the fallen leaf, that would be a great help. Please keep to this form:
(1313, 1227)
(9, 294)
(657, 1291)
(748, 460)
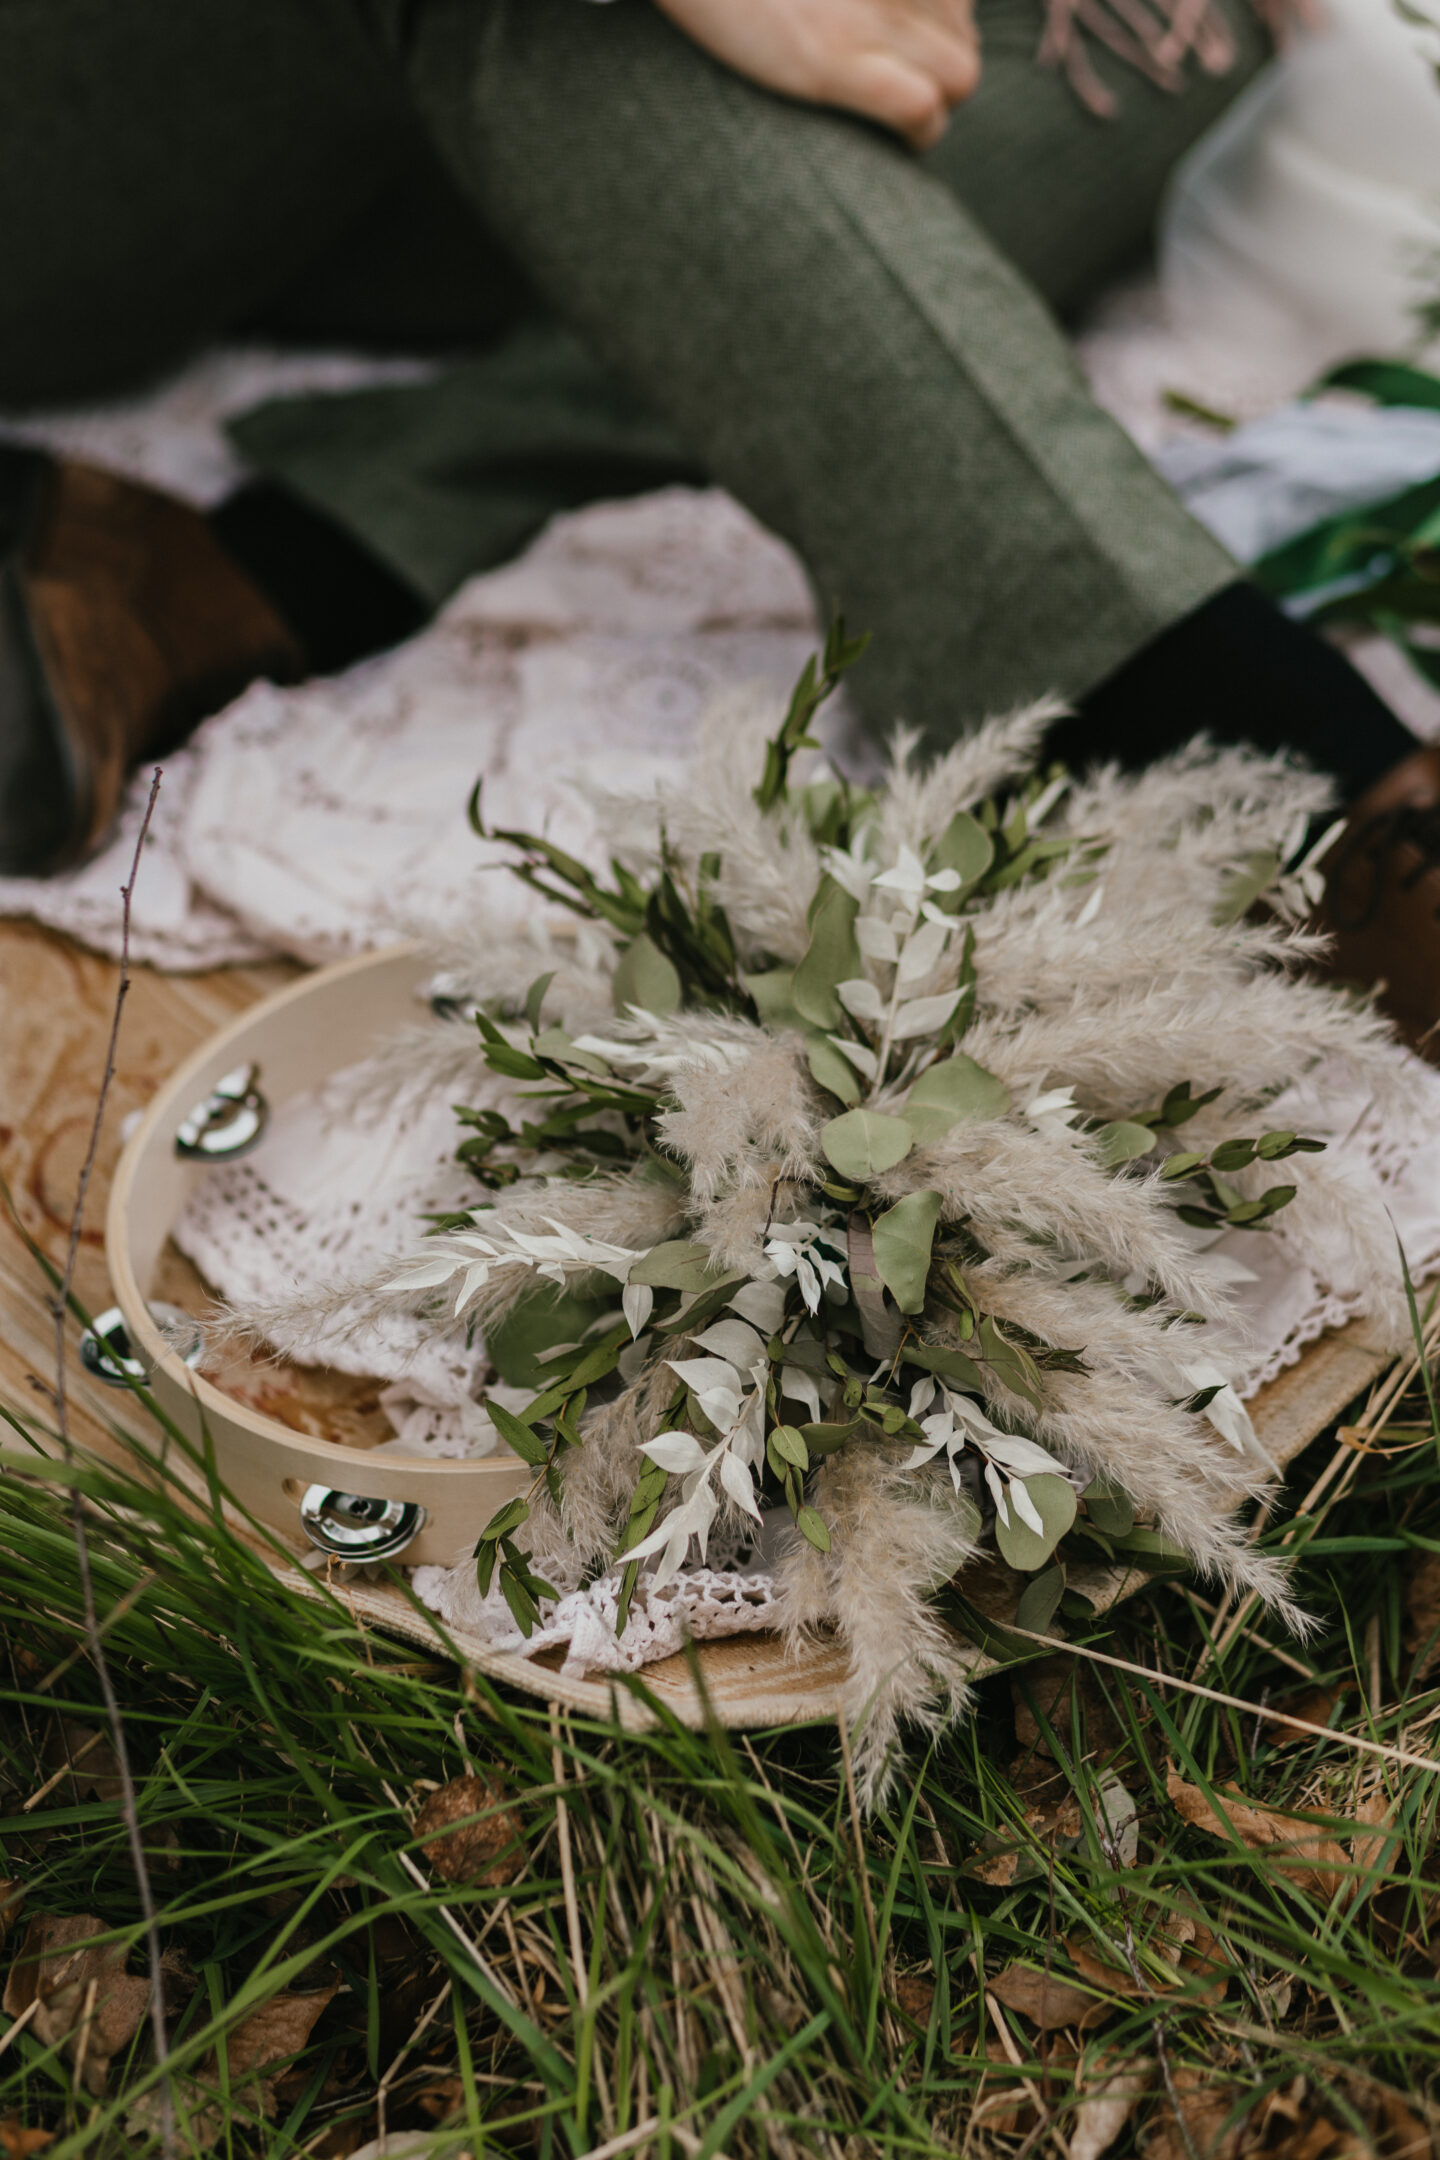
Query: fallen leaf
(254, 2047)
(12, 1904)
(1049, 1691)
(1373, 1855)
(1052, 1817)
(85, 2000)
(1048, 2001)
(1399, 2134)
(915, 1995)
(1420, 1599)
(87, 1758)
(17, 2143)
(1109, 2100)
(1305, 1849)
(274, 2031)
(486, 1850)
(1193, 2127)
(1317, 1707)
(1115, 1978)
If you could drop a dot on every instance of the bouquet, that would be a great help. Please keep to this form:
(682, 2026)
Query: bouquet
(857, 1166)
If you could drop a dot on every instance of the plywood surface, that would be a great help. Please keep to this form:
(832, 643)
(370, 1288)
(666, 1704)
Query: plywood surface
(56, 1003)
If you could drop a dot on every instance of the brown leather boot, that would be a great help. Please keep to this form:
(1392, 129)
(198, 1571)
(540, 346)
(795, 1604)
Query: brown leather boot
(1382, 897)
(122, 622)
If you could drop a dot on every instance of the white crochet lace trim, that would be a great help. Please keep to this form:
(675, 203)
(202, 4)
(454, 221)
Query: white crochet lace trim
(698, 1606)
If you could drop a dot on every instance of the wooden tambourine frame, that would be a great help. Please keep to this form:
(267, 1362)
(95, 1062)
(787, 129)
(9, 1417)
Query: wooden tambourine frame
(298, 1039)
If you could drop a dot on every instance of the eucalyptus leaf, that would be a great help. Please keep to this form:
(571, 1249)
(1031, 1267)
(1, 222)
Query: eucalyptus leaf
(825, 1439)
(879, 1327)
(812, 1529)
(902, 1238)
(954, 1091)
(646, 978)
(951, 1365)
(1053, 1499)
(864, 1143)
(1155, 1552)
(540, 1317)
(833, 956)
(678, 1264)
(1040, 1601)
(1122, 1142)
(773, 996)
(966, 848)
(832, 1069)
(1243, 887)
(1108, 1508)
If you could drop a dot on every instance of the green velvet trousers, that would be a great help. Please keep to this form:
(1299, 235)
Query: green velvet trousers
(665, 274)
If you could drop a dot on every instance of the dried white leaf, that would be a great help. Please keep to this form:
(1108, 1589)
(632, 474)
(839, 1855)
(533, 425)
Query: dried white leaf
(738, 1484)
(677, 1452)
(637, 1302)
(860, 997)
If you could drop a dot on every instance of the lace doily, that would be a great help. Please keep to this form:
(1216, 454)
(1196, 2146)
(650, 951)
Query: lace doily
(330, 819)
(329, 1199)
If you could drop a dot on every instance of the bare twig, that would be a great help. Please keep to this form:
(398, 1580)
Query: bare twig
(94, 1638)
(1403, 1756)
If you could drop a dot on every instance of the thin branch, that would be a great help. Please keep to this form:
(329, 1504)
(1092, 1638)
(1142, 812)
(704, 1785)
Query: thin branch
(93, 1632)
(1403, 1756)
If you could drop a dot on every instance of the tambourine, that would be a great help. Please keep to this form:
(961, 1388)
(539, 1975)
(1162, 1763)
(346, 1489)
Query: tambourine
(345, 1501)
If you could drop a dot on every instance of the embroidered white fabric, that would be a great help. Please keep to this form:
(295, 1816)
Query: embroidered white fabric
(329, 1197)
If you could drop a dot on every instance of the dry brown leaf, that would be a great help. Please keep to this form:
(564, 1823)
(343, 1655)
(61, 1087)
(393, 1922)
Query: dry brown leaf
(85, 1755)
(487, 1850)
(1116, 1978)
(915, 1995)
(12, 1904)
(1317, 1707)
(1399, 2134)
(1052, 1816)
(1306, 1849)
(253, 2048)
(1374, 1855)
(1198, 2128)
(18, 2143)
(1053, 1685)
(84, 1997)
(277, 2029)
(1048, 2001)
(1111, 2095)
(1421, 1602)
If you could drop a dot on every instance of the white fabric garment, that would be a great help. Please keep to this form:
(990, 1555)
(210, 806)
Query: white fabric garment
(1305, 227)
(330, 819)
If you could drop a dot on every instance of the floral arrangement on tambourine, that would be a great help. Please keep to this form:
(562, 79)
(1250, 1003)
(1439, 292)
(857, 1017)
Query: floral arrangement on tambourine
(860, 1160)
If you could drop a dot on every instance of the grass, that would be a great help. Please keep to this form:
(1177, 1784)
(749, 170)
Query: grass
(693, 1946)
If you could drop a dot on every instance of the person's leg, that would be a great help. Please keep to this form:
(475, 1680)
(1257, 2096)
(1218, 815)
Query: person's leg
(832, 336)
(1070, 199)
(165, 169)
